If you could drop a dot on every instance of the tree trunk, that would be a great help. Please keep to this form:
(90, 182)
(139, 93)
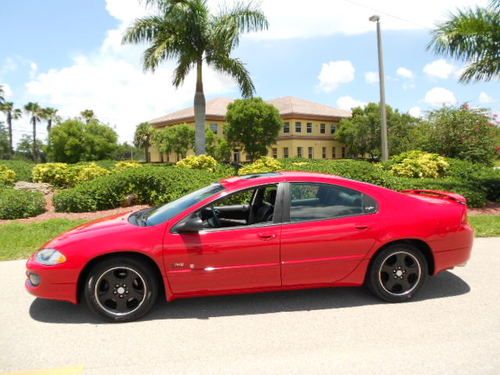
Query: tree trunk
(9, 125)
(35, 158)
(199, 111)
(146, 152)
(49, 129)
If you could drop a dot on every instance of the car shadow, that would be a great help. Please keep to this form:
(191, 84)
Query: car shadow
(443, 285)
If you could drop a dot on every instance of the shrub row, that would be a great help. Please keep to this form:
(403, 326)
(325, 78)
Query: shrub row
(18, 204)
(148, 185)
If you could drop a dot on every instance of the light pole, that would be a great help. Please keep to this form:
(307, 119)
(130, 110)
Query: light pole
(383, 116)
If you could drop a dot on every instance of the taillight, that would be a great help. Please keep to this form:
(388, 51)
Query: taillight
(465, 219)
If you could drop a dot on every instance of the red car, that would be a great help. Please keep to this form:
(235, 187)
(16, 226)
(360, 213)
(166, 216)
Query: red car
(264, 232)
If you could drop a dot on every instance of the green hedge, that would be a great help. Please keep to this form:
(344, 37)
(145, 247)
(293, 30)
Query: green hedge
(17, 204)
(150, 185)
(21, 167)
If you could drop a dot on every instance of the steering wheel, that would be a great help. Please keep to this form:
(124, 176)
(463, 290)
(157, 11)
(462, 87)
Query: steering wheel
(215, 216)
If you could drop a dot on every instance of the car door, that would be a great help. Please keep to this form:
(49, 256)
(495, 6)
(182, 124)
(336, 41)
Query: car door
(223, 259)
(327, 230)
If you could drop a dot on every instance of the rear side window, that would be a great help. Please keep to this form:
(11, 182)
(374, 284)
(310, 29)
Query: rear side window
(314, 201)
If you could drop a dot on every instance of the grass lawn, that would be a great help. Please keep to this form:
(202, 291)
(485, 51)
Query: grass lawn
(20, 240)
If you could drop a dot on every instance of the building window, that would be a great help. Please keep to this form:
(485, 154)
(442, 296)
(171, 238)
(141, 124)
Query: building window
(299, 152)
(309, 127)
(285, 152)
(275, 153)
(334, 153)
(323, 152)
(214, 128)
(343, 152)
(286, 127)
(236, 156)
(298, 127)
(333, 129)
(310, 152)
(322, 128)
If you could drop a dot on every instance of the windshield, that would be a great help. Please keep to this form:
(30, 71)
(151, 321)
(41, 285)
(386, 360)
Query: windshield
(161, 214)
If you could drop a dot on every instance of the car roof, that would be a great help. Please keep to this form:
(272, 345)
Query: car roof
(239, 182)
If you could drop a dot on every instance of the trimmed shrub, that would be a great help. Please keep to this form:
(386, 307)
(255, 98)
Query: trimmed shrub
(57, 174)
(79, 173)
(418, 164)
(22, 168)
(149, 185)
(205, 162)
(7, 176)
(263, 165)
(17, 204)
(123, 165)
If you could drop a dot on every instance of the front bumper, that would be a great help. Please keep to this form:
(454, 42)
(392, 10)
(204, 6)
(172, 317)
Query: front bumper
(55, 282)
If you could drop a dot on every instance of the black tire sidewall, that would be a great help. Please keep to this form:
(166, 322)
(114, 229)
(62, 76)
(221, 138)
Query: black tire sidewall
(373, 281)
(141, 268)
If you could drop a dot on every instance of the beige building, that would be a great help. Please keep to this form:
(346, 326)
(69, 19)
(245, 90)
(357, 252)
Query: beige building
(309, 131)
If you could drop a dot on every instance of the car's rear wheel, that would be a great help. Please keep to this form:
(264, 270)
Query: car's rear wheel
(121, 290)
(397, 273)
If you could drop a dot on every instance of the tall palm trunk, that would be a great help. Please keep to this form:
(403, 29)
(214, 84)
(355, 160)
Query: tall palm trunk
(146, 152)
(199, 111)
(35, 156)
(49, 129)
(9, 126)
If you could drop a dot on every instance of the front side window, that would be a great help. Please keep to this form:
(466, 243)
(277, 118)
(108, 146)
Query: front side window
(323, 152)
(315, 201)
(275, 153)
(310, 152)
(214, 128)
(286, 127)
(298, 127)
(309, 127)
(299, 152)
(243, 208)
(322, 128)
(333, 129)
(285, 152)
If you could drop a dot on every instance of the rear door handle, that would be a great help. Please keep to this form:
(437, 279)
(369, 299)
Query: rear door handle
(361, 226)
(267, 236)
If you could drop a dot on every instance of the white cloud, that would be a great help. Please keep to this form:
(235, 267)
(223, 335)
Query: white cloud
(405, 73)
(112, 83)
(484, 98)
(440, 69)
(291, 18)
(7, 91)
(335, 73)
(371, 77)
(415, 111)
(348, 103)
(438, 96)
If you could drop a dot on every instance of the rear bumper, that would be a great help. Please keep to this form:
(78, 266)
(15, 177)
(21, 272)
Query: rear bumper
(454, 250)
(54, 282)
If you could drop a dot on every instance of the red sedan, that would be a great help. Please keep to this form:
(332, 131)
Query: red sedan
(276, 231)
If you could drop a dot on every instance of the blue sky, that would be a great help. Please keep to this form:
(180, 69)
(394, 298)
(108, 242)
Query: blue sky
(67, 54)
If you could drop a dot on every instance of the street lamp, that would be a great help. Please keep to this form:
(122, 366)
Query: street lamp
(383, 116)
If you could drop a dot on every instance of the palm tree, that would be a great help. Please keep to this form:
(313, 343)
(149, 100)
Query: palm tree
(88, 115)
(35, 112)
(2, 95)
(185, 30)
(473, 36)
(11, 113)
(143, 136)
(49, 114)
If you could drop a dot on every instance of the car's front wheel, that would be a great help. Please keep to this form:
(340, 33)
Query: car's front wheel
(397, 273)
(121, 290)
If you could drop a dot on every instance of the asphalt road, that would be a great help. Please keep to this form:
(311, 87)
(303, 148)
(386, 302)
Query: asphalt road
(453, 327)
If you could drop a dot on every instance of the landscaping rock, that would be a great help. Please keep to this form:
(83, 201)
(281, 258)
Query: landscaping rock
(32, 186)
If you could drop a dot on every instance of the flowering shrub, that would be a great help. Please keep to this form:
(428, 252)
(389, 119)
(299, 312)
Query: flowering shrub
(205, 162)
(262, 165)
(85, 172)
(418, 164)
(7, 176)
(57, 174)
(123, 165)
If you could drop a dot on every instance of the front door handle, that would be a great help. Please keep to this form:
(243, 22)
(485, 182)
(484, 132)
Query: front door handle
(267, 236)
(361, 226)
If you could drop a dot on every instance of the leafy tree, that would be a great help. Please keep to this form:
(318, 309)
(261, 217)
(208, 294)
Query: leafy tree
(254, 124)
(11, 113)
(361, 132)
(462, 133)
(34, 112)
(473, 36)
(2, 95)
(217, 147)
(25, 147)
(88, 115)
(5, 150)
(72, 141)
(143, 137)
(124, 151)
(163, 139)
(183, 139)
(187, 31)
(49, 114)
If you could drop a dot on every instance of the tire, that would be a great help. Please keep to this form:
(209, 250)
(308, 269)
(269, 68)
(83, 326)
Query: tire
(121, 289)
(397, 273)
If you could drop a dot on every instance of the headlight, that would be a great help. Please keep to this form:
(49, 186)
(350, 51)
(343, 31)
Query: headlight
(50, 257)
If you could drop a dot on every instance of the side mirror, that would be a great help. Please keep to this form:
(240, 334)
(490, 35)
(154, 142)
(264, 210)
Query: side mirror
(191, 225)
